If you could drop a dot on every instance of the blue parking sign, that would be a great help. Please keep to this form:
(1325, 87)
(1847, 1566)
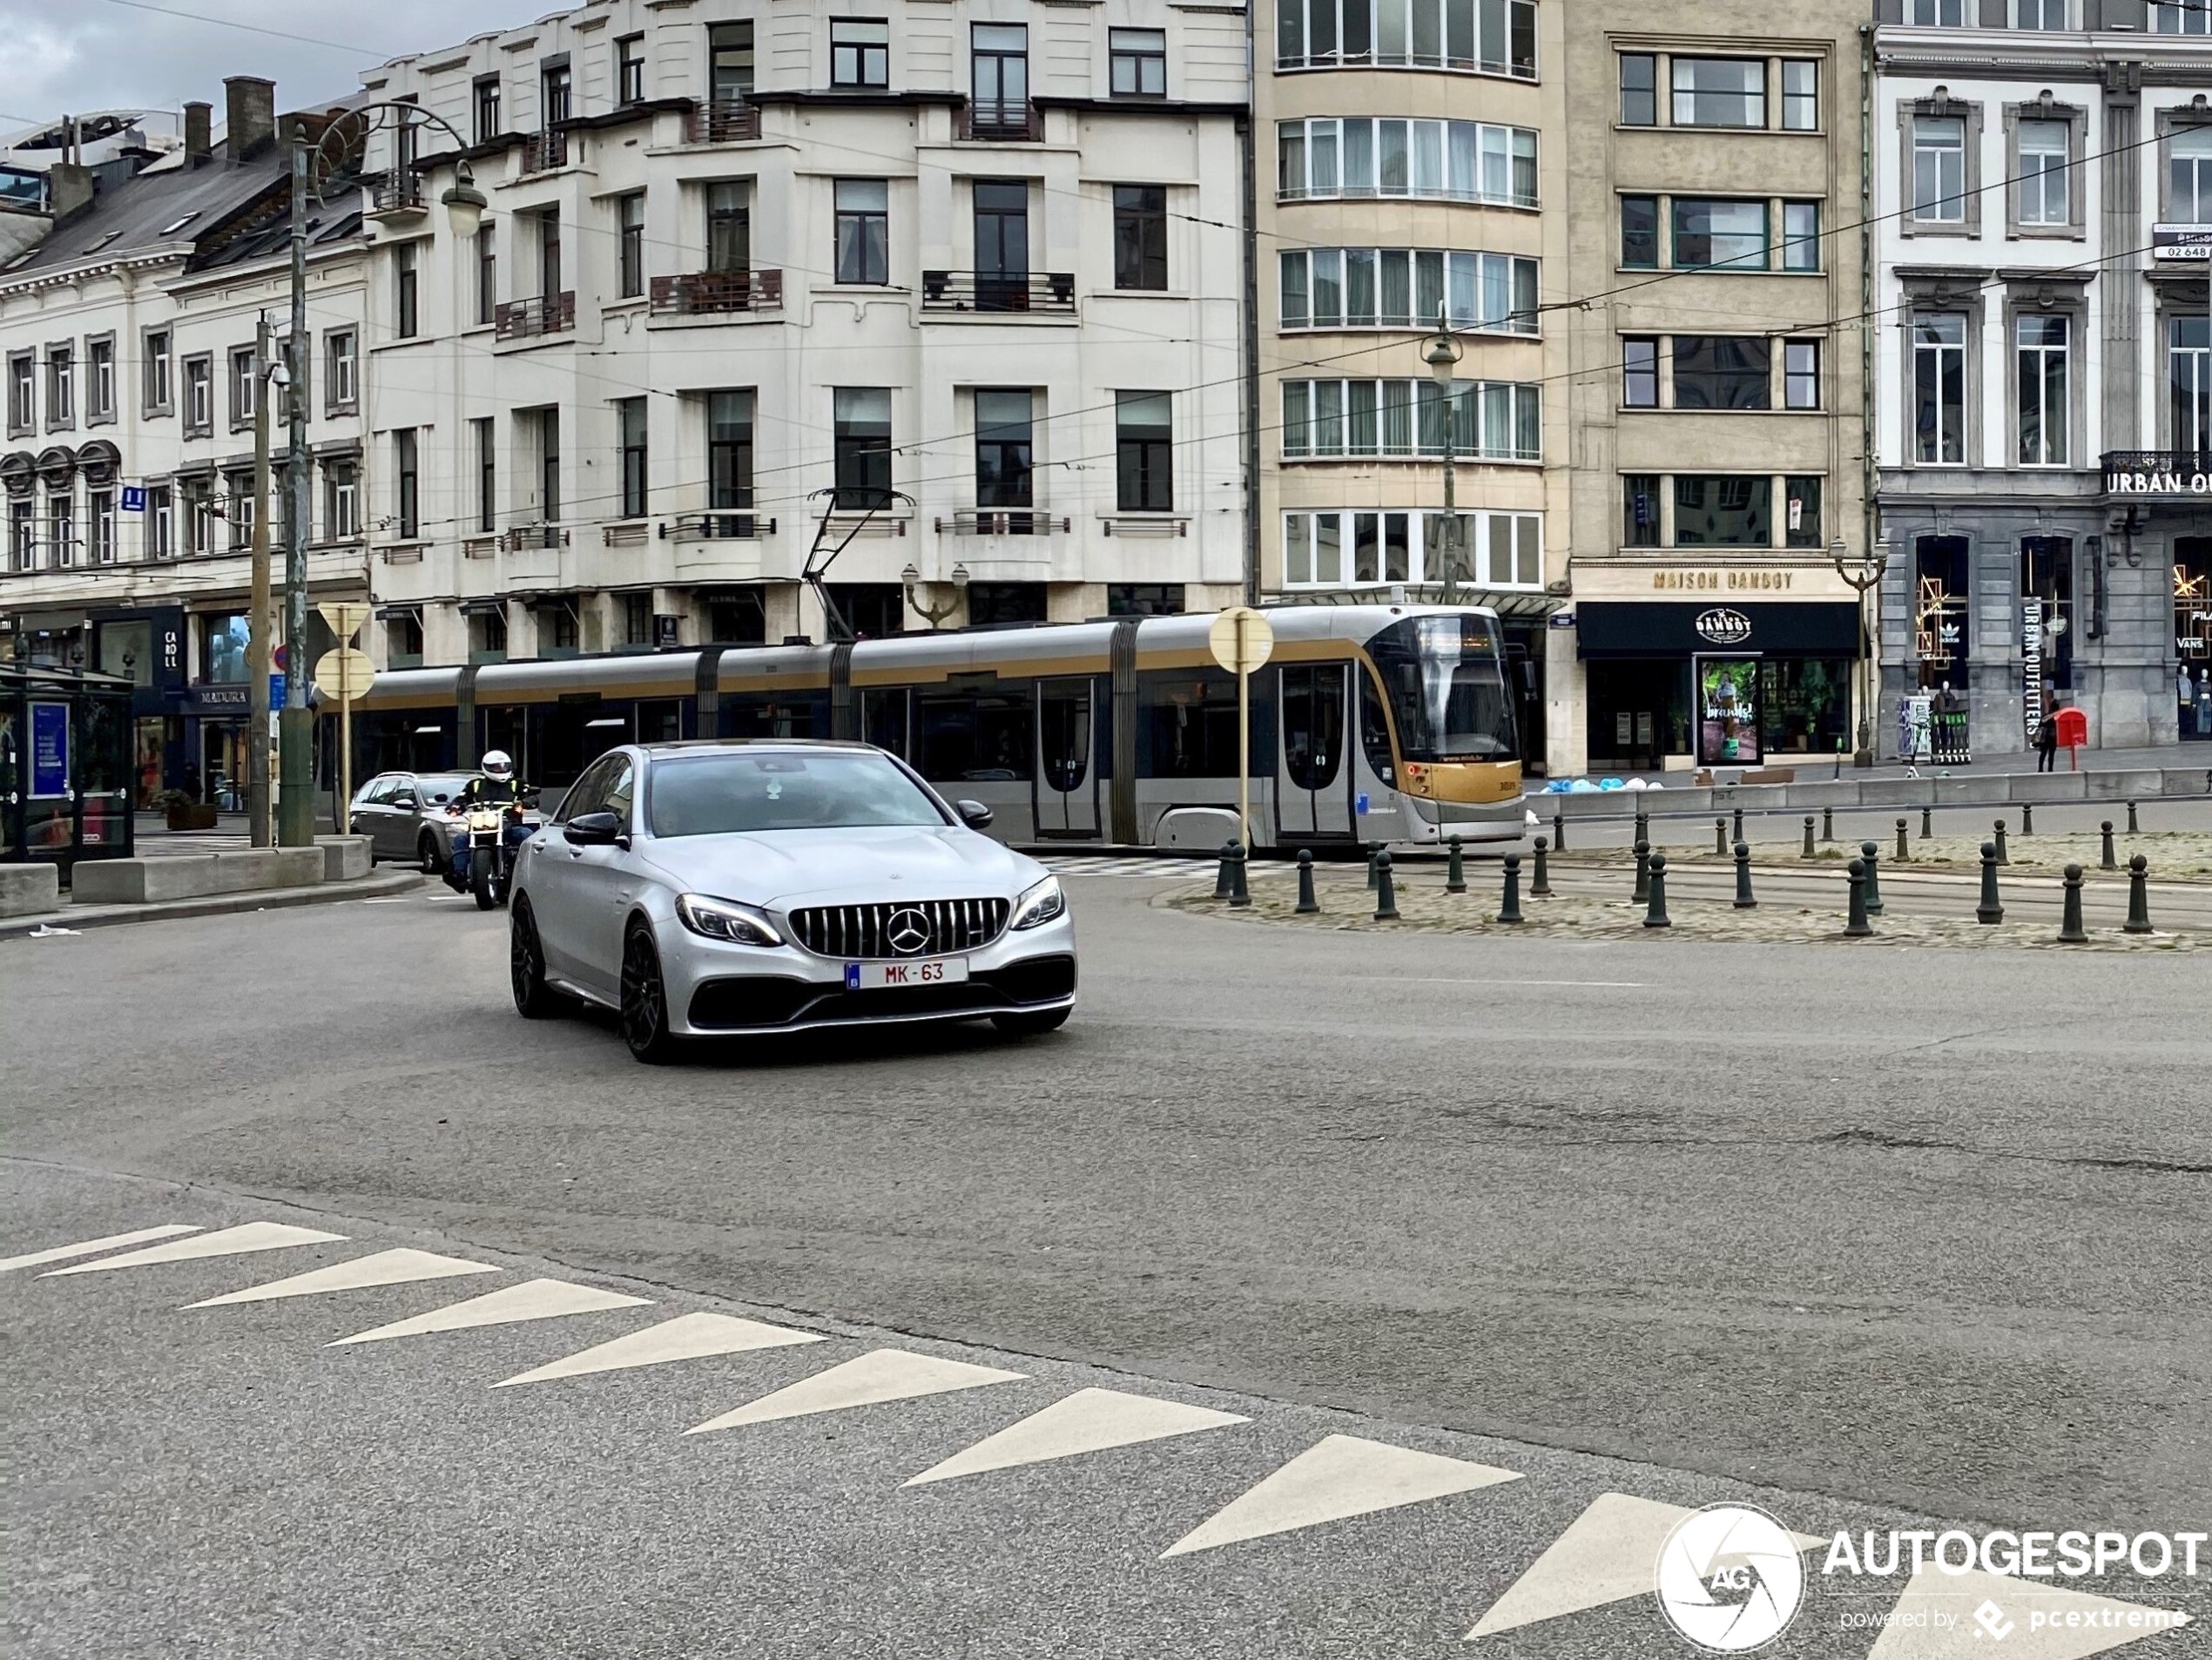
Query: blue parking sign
(134, 498)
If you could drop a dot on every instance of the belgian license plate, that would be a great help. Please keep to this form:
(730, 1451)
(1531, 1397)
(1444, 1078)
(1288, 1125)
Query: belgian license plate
(936, 971)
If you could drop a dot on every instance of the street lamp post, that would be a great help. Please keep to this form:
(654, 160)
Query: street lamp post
(910, 580)
(1442, 355)
(1864, 573)
(464, 205)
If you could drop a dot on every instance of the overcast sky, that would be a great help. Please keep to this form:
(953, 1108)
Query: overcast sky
(70, 56)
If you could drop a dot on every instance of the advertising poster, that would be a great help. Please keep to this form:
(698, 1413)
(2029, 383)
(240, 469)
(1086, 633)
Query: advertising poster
(1916, 728)
(49, 750)
(1728, 710)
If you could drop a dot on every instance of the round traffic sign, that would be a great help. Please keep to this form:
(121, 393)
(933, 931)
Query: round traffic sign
(1242, 639)
(345, 673)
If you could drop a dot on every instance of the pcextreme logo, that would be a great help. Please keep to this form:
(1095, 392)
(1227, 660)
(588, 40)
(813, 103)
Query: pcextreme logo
(1729, 1578)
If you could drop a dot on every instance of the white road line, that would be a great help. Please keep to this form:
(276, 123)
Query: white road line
(2099, 1623)
(1450, 979)
(1090, 1420)
(379, 1268)
(687, 1337)
(93, 1247)
(534, 1299)
(879, 1375)
(1336, 1478)
(224, 1242)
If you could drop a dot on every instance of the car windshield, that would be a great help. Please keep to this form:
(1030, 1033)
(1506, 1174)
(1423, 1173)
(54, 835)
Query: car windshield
(725, 794)
(441, 786)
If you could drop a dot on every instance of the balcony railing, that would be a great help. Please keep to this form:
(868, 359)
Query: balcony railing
(977, 291)
(727, 526)
(700, 294)
(397, 197)
(541, 315)
(725, 121)
(1008, 121)
(516, 537)
(989, 522)
(543, 152)
(2158, 472)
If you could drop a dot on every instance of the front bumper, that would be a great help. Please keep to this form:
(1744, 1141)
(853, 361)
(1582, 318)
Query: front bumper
(718, 989)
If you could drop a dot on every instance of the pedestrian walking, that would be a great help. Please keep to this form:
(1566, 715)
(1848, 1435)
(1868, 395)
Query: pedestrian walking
(2185, 697)
(2046, 741)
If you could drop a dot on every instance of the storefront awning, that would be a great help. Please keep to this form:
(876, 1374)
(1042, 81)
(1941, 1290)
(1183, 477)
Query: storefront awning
(1616, 629)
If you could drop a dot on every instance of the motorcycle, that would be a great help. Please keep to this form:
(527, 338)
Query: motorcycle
(490, 833)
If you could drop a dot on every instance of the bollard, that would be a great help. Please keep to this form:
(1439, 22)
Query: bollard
(1307, 905)
(1240, 896)
(1744, 901)
(1643, 873)
(1385, 890)
(2132, 828)
(1655, 917)
(1808, 852)
(1720, 838)
(1223, 883)
(1455, 881)
(2108, 861)
(2070, 930)
(1927, 822)
(1989, 910)
(2138, 896)
(1870, 854)
(2003, 858)
(1643, 823)
(1558, 830)
(1904, 853)
(1739, 825)
(2027, 818)
(1509, 911)
(1827, 824)
(1374, 853)
(1856, 926)
(1541, 888)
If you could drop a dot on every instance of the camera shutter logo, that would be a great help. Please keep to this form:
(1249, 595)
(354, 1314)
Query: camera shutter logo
(1723, 626)
(1730, 1579)
(907, 930)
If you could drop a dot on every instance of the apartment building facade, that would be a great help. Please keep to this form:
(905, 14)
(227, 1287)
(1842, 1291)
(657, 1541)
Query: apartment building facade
(2043, 381)
(941, 303)
(1714, 377)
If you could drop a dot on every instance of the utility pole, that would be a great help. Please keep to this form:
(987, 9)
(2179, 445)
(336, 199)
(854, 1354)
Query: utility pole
(297, 826)
(1442, 355)
(257, 646)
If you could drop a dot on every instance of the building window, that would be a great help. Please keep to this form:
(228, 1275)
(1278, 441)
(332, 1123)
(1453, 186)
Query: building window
(1488, 420)
(1144, 448)
(61, 531)
(2188, 176)
(1366, 548)
(22, 393)
(1639, 89)
(1938, 169)
(2040, 14)
(548, 221)
(199, 516)
(1001, 208)
(1723, 511)
(1495, 38)
(860, 53)
(636, 619)
(729, 50)
(861, 437)
(2180, 17)
(242, 378)
(999, 104)
(342, 499)
(1407, 288)
(1640, 372)
(406, 500)
(1801, 374)
(1719, 235)
(405, 319)
(863, 230)
(1138, 63)
(161, 522)
(2189, 383)
(99, 380)
(553, 95)
(487, 108)
(1932, 14)
(1140, 238)
(156, 391)
(61, 386)
(99, 519)
(1939, 388)
(729, 227)
(488, 631)
(1801, 522)
(629, 241)
(1800, 95)
(1640, 233)
(1462, 161)
(630, 415)
(2040, 345)
(1144, 599)
(200, 396)
(487, 476)
(1801, 236)
(729, 449)
(22, 534)
(487, 275)
(1719, 92)
(343, 371)
(1721, 372)
(2042, 172)
(238, 510)
(548, 422)
(629, 71)
(1003, 439)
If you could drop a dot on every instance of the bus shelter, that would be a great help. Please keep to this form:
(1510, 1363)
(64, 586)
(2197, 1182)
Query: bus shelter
(65, 759)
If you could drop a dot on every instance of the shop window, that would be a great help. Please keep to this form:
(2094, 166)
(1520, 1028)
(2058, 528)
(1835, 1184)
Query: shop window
(1940, 614)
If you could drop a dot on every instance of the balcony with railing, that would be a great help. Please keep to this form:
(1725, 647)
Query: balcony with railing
(1003, 522)
(1050, 292)
(726, 524)
(2158, 472)
(540, 314)
(398, 196)
(709, 294)
(723, 121)
(1000, 121)
(545, 152)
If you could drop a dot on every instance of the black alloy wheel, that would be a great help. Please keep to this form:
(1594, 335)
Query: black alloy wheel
(427, 851)
(534, 999)
(644, 1000)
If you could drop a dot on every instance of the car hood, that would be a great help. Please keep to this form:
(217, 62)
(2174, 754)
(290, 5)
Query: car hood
(784, 868)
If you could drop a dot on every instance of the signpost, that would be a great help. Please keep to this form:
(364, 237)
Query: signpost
(344, 674)
(1241, 641)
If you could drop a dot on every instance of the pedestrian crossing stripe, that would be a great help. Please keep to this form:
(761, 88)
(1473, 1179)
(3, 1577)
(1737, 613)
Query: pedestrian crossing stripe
(93, 1247)
(1190, 869)
(687, 1337)
(1950, 1616)
(224, 1242)
(534, 1299)
(380, 1268)
(1090, 1420)
(1338, 1477)
(878, 1376)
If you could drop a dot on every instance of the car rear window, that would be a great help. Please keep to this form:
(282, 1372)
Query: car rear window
(726, 794)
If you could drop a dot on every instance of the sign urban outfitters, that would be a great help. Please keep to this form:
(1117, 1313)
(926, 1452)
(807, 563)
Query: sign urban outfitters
(2158, 483)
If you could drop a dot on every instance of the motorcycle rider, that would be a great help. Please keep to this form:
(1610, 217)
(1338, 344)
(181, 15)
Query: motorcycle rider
(495, 784)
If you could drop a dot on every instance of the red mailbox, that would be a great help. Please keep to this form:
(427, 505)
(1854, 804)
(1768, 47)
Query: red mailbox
(2073, 735)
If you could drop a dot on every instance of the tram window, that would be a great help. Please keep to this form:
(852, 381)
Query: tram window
(883, 717)
(1374, 728)
(976, 740)
(1189, 718)
(757, 715)
(660, 721)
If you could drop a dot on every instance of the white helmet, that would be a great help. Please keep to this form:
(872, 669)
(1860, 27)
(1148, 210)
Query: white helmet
(498, 763)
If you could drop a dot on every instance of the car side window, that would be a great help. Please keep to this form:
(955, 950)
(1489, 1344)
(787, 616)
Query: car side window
(398, 790)
(376, 791)
(620, 789)
(585, 795)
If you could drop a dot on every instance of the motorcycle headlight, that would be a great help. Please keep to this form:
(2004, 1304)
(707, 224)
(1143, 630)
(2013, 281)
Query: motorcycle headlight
(720, 919)
(1039, 905)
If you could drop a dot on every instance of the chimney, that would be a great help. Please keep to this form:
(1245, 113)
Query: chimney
(198, 142)
(69, 189)
(251, 111)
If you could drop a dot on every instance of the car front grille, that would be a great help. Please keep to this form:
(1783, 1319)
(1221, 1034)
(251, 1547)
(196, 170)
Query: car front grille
(944, 928)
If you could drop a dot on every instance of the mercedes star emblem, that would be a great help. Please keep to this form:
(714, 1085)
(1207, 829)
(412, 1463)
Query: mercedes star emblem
(907, 930)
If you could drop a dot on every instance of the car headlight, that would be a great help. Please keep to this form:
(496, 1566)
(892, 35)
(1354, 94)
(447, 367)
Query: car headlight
(719, 919)
(1039, 905)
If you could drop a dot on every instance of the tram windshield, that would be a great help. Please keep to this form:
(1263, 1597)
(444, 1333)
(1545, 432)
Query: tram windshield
(1446, 680)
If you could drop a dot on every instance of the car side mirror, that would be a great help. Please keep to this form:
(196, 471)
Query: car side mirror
(974, 815)
(593, 830)
(441, 798)
(405, 801)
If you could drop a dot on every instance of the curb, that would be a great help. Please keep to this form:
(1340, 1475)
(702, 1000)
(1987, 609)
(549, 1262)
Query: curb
(266, 899)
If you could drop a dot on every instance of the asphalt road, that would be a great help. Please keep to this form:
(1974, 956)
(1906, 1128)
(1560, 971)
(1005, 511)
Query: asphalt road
(1859, 1239)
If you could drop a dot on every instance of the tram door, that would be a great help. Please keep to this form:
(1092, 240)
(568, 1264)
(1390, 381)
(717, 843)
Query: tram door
(1311, 788)
(1066, 780)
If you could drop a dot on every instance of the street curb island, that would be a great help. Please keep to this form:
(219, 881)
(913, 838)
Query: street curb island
(76, 918)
